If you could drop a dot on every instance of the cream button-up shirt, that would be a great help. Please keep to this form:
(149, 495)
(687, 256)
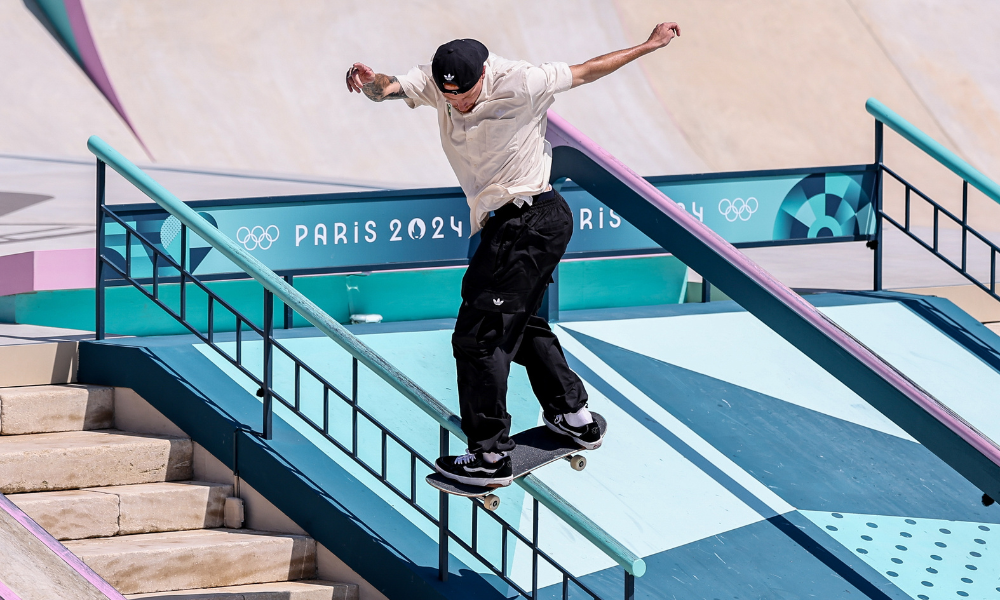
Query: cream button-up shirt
(498, 149)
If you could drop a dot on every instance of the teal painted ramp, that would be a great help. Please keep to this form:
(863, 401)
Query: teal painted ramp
(734, 465)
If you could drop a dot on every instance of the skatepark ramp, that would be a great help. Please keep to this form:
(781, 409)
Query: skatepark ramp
(939, 427)
(310, 386)
(744, 453)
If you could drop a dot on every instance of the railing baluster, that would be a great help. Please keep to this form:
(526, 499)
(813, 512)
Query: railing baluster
(993, 270)
(239, 340)
(534, 549)
(936, 212)
(354, 403)
(629, 586)
(354, 430)
(268, 362)
(326, 410)
(211, 318)
(965, 224)
(443, 517)
(908, 208)
(183, 297)
(413, 478)
(184, 245)
(475, 526)
(156, 275)
(503, 550)
(298, 384)
(354, 381)
(565, 587)
(128, 253)
(385, 455)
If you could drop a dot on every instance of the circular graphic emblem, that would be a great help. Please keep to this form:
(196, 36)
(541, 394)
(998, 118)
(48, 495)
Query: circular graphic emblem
(738, 209)
(825, 205)
(257, 236)
(416, 229)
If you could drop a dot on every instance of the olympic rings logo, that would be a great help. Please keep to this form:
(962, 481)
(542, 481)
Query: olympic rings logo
(738, 209)
(257, 237)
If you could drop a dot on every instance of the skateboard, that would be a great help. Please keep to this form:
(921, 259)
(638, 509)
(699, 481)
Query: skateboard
(535, 448)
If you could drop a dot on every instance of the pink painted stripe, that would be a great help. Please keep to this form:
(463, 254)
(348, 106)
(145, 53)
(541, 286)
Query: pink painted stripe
(59, 550)
(561, 133)
(93, 65)
(6, 593)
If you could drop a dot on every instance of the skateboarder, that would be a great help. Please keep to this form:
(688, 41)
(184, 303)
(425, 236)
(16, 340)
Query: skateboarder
(492, 117)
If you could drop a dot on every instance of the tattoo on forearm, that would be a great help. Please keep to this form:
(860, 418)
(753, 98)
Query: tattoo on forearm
(376, 89)
(397, 94)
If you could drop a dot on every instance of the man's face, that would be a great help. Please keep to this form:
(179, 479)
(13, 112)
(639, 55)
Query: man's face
(463, 103)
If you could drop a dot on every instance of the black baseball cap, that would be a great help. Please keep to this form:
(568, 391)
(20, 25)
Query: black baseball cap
(459, 62)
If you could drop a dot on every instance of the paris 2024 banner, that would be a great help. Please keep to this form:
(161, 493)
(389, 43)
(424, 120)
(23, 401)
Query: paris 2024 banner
(424, 228)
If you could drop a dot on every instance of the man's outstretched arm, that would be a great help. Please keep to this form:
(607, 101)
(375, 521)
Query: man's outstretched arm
(595, 68)
(378, 87)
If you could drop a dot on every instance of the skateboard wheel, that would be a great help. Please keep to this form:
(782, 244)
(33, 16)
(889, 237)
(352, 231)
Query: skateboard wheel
(491, 502)
(578, 463)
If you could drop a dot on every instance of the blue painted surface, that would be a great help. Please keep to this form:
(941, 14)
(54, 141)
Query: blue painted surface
(928, 558)
(810, 459)
(725, 490)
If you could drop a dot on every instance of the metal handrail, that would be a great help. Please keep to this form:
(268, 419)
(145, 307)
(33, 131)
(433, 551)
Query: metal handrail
(921, 140)
(969, 175)
(633, 565)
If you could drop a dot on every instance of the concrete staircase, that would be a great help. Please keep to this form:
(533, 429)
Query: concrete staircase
(125, 504)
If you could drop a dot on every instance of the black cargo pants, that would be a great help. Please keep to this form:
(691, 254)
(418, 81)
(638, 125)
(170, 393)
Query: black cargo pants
(501, 291)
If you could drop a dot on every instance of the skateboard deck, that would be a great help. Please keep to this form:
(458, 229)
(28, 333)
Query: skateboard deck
(536, 447)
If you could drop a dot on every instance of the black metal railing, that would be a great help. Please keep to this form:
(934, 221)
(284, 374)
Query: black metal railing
(110, 267)
(911, 195)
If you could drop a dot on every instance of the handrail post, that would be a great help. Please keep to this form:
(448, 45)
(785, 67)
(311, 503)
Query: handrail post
(268, 362)
(99, 284)
(879, 156)
(443, 518)
(629, 586)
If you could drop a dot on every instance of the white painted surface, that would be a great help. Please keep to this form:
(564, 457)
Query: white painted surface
(953, 375)
(737, 348)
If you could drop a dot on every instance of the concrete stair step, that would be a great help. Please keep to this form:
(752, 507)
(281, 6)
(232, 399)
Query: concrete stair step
(208, 558)
(81, 459)
(53, 408)
(126, 509)
(292, 590)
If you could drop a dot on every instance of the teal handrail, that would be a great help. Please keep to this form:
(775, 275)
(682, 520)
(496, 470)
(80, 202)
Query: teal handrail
(336, 332)
(933, 148)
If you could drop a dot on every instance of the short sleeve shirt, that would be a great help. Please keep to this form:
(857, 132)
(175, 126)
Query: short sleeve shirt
(498, 149)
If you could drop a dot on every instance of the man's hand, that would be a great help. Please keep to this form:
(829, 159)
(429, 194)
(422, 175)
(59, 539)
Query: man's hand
(378, 87)
(357, 76)
(662, 34)
(595, 68)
